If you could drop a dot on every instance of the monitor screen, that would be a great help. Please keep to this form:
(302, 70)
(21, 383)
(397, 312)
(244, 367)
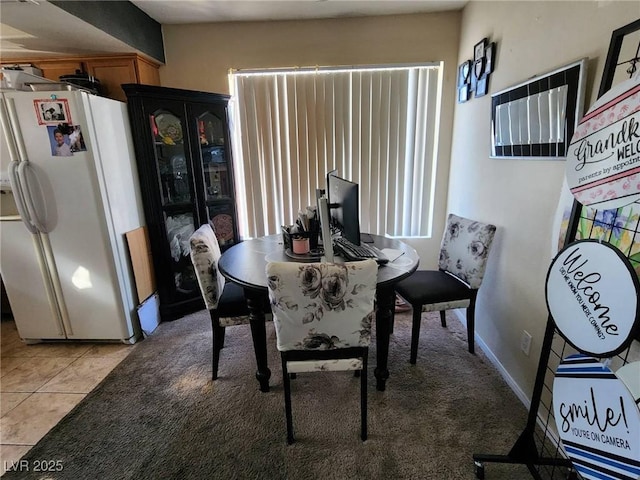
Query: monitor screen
(342, 196)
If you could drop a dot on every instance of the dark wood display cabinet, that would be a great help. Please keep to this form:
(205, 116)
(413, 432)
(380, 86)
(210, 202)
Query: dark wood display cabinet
(182, 145)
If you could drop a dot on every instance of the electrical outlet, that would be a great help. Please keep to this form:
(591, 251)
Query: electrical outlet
(525, 342)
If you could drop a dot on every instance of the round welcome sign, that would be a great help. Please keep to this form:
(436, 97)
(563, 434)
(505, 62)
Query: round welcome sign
(592, 295)
(597, 419)
(603, 159)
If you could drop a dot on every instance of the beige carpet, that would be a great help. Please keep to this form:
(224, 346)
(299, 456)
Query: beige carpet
(159, 416)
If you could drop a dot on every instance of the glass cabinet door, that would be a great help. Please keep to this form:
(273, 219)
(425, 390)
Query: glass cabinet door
(222, 219)
(177, 193)
(217, 175)
(214, 159)
(180, 226)
(169, 141)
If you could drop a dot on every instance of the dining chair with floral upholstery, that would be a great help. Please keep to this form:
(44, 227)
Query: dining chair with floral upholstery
(322, 314)
(461, 266)
(224, 300)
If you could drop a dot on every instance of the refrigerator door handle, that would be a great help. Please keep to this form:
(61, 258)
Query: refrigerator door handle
(19, 198)
(23, 165)
(18, 194)
(24, 186)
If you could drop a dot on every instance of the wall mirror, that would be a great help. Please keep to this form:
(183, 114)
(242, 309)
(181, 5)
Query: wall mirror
(536, 119)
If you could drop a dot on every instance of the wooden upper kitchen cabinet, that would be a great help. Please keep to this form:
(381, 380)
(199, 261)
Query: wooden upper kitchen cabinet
(111, 70)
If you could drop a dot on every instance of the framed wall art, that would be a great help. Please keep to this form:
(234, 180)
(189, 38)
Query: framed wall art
(464, 81)
(478, 65)
(489, 54)
(536, 119)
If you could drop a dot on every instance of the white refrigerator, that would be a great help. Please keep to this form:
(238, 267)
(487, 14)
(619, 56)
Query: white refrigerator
(65, 211)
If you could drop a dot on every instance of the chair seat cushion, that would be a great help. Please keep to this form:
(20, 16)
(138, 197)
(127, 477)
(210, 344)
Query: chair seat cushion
(232, 302)
(431, 286)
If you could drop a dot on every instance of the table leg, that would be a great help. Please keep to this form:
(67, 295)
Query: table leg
(255, 302)
(385, 298)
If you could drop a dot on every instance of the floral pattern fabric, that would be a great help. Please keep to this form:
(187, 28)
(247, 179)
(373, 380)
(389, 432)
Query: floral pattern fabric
(465, 248)
(205, 253)
(329, 365)
(438, 307)
(322, 306)
(233, 321)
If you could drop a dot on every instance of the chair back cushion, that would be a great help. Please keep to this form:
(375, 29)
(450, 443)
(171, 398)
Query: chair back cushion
(205, 253)
(465, 248)
(322, 306)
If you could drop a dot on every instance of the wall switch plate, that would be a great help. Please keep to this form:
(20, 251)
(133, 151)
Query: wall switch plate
(525, 342)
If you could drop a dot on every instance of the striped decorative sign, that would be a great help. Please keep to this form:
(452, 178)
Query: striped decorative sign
(603, 160)
(598, 420)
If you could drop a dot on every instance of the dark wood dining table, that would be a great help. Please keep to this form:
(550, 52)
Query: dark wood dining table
(245, 264)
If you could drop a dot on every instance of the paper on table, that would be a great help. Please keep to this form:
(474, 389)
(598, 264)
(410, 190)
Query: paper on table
(392, 253)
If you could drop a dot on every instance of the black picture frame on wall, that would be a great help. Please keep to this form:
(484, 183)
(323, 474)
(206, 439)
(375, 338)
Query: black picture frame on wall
(478, 49)
(490, 55)
(464, 93)
(464, 73)
(479, 59)
(464, 81)
(481, 86)
(536, 119)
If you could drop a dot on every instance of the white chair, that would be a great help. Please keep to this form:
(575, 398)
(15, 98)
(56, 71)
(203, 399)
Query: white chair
(461, 266)
(224, 300)
(322, 314)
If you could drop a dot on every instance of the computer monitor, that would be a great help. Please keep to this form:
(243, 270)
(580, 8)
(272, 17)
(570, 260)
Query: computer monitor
(344, 209)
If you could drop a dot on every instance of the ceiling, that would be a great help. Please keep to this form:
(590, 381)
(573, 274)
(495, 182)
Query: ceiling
(204, 11)
(36, 28)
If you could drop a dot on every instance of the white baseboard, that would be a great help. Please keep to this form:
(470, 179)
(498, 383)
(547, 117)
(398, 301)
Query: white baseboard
(462, 317)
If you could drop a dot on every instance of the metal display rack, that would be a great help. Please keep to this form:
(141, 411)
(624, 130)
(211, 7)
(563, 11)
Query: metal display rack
(538, 446)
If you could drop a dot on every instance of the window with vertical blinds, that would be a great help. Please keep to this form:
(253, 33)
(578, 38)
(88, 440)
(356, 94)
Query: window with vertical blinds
(377, 125)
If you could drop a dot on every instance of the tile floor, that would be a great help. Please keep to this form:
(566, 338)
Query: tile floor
(41, 383)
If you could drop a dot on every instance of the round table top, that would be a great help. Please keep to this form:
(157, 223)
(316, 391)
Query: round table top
(245, 263)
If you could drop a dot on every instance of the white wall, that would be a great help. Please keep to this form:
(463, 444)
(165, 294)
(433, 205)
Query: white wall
(520, 196)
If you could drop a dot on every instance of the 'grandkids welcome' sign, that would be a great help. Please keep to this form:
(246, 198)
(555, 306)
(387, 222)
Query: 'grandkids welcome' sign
(603, 159)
